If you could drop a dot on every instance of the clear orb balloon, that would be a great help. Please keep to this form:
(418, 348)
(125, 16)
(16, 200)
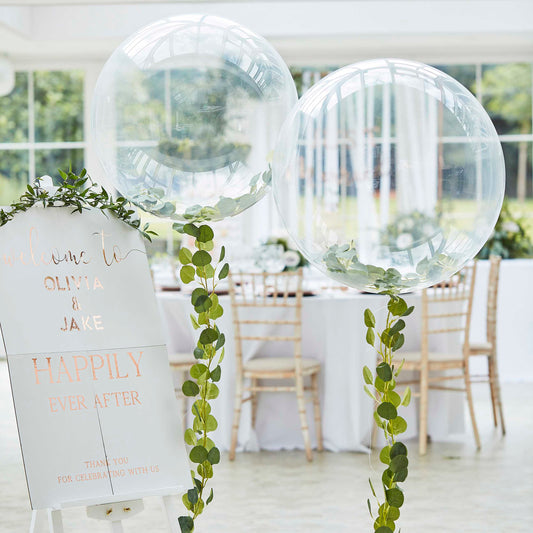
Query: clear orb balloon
(185, 117)
(389, 175)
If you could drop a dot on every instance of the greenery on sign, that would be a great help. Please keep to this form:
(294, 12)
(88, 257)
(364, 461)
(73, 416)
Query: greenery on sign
(80, 193)
(202, 268)
(381, 388)
(509, 239)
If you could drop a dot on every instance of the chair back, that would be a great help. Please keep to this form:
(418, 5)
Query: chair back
(252, 294)
(492, 298)
(447, 308)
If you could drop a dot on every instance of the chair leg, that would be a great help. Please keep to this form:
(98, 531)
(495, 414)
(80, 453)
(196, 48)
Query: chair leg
(318, 418)
(236, 417)
(493, 396)
(497, 390)
(254, 401)
(468, 386)
(423, 423)
(300, 397)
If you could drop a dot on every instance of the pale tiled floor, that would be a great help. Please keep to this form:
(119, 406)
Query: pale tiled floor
(452, 489)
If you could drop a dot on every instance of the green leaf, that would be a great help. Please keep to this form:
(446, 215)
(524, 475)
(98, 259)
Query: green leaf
(208, 336)
(211, 423)
(370, 393)
(205, 234)
(397, 306)
(387, 477)
(387, 410)
(185, 256)
(192, 495)
(187, 274)
(198, 370)
(372, 487)
(222, 254)
(190, 437)
(397, 341)
(224, 271)
(220, 342)
(212, 391)
(398, 326)
(398, 448)
(214, 456)
(201, 258)
(370, 336)
(190, 388)
(383, 529)
(400, 462)
(384, 371)
(367, 375)
(394, 398)
(409, 311)
(370, 319)
(379, 384)
(398, 425)
(406, 397)
(394, 497)
(191, 229)
(394, 513)
(203, 304)
(210, 498)
(186, 524)
(369, 508)
(195, 324)
(198, 454)
(216, 373)
(401, 475)
(198, 353)
(384, 455)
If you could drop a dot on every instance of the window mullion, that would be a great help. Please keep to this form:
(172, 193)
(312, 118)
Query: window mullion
(31, 125)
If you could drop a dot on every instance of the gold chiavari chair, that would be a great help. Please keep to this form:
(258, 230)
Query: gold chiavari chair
(488, 349)
(446, 309)
(251, 295)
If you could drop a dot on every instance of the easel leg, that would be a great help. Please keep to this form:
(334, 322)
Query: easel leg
(55, 521)
(38, 522)
(172, 512)
(116, 526)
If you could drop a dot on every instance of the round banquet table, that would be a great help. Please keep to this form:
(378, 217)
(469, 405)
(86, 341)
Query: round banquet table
(334, 333)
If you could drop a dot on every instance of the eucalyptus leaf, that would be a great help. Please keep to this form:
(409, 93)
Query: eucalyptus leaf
(387, 410)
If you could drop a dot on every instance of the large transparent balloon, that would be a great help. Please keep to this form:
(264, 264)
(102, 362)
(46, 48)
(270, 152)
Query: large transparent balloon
(389, 175)
(186, 114)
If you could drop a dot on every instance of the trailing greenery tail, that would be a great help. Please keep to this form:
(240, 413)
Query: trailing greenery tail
(201, 267)
(380, 387)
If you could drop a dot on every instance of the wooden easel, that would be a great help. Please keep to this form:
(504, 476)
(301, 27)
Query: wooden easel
(114, 513)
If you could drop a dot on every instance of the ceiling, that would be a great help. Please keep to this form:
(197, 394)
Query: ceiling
(310, 32)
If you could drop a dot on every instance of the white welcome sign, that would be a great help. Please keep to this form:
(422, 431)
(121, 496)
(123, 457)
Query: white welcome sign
(89, 371)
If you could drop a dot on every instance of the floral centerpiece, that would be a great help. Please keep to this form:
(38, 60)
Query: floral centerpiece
(509, 239)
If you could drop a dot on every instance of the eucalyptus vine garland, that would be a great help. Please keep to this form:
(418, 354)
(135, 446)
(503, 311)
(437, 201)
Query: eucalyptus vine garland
(202, 267)
(394, 453)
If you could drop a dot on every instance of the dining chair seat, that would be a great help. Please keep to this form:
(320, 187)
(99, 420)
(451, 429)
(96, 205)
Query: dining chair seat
(284, 367)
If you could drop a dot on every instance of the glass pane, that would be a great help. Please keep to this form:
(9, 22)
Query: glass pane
(58, 106)
(507, 96)
(14, 112)
(13, 175)
(464, 74)
(48, 161)
(517, 169)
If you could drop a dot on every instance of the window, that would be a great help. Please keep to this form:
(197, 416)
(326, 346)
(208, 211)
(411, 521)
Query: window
(41, 128)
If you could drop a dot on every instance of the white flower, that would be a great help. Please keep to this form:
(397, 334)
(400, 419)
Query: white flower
(510, 227)
(404, 240)
(428, 229)
(407, 224)
(291, 258)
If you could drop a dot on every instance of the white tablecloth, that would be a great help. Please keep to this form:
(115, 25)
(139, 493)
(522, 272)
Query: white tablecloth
(334, 333)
